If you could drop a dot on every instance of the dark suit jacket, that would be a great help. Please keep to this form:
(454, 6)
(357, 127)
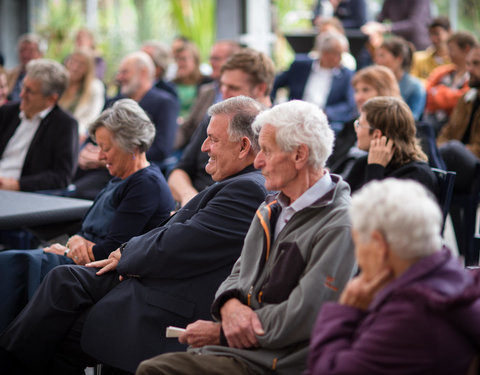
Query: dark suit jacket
(52, 156)
(162, 108)
(340, 106)
(175, 271)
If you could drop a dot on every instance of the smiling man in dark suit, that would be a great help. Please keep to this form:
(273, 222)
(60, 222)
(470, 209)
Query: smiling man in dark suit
(169, 274)
(38, 140)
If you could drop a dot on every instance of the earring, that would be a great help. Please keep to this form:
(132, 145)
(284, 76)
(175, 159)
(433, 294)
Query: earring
(133, 156)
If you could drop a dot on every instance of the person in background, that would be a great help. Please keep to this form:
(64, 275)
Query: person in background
(84, 96)
(84, 38)
(351, 13)
(29, 47)
(136, 200)
(188, 77)
(413, 309)
(38, 140)
(386, 130)
(3, 87)
(408, 19)
(324, 81)
(369, 82)
(447, 83)
(161, 56)
(424, 62)
(396, 53)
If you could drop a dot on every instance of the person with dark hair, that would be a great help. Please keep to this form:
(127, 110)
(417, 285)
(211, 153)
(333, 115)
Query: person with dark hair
(424, 62)
(396, 53)
(447, 83)
(386, 129)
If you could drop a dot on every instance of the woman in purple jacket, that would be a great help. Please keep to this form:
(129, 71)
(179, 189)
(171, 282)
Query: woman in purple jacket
(413, 309)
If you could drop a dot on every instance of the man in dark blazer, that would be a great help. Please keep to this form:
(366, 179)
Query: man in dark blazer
(324, 82)
(169, 275)
(38, 140)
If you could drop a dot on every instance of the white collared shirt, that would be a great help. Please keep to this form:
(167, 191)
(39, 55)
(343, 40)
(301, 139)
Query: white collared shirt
(315, 192)
(318, 85)
(15, 152)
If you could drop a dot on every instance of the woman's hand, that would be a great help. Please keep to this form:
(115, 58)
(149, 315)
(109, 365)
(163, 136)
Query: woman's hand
(56, 248)
(380, 151)
(80, 250)
(88, 157)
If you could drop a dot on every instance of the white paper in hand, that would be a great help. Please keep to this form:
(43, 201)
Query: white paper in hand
(174, 331)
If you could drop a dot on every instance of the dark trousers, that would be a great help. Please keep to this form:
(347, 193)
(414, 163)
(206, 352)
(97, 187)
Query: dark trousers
(46, 335)
(459, 159)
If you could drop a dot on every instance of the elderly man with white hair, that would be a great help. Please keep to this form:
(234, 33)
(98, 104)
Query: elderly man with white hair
(413, 309)
(297, 254)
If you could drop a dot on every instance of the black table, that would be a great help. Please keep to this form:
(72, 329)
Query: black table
(44, 215)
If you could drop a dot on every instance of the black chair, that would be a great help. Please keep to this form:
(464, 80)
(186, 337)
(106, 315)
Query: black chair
(463, 211)
(426, 135)
(446, 180)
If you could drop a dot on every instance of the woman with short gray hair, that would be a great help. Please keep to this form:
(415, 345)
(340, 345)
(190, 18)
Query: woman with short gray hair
(413, 309)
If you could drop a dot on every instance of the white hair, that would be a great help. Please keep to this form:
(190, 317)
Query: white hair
(403, 211)
(298, 122)
(327, 41)
(142, 60)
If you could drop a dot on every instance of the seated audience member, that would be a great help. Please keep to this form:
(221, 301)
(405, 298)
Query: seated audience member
(367, 83)
(161, 56)
(135, 75)
(351, 13)
(446, 84)
(3, 87)
(84, 96)
(424, 62)
(408, 19)
(188, 77)
(135, 201)
(459, 140)
(247, 72)
(29, 47)
(38, 140)
(168, 276)
(396, 54)
(296, 256)
(386, 129)
(413, 309)
(85, 39)
(305, 76)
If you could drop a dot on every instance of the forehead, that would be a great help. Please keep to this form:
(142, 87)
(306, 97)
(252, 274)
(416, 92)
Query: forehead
(267, 136)
(235, 77)
(127, 65)
(218, 126)
(222, 49)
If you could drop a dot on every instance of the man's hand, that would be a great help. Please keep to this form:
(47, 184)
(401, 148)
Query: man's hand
(240, 324)
(359, 291)
(107, 265)
(8, 183)
(380, 151)
(80, 250)
(201, 333)
(56, 248)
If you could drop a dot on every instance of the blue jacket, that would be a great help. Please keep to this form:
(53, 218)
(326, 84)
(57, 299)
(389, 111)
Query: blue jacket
(340, 106)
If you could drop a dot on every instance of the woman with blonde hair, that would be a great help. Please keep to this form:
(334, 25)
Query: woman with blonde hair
(369, 82)
(386, 130)
(84, 96)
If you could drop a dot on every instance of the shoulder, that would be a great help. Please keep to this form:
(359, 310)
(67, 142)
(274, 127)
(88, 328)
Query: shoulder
(61, 117)
(244, 182)
(149, 177)
(10, 110)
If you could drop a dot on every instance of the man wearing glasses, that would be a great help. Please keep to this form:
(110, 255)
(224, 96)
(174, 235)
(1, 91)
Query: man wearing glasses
(38, 140)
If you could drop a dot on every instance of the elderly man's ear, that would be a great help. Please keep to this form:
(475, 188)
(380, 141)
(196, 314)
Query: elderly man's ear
(245, 147)
(301, 156)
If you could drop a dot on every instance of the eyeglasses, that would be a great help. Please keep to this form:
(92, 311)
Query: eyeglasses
(357, 125)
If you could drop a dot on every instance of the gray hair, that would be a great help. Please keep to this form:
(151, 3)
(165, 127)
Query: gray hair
(403, 211)
(131, 127)
(52, 75)
(298, 122)
(34, 39)
(242, 111)
(161, 56)
(142, 61)
(327, 40)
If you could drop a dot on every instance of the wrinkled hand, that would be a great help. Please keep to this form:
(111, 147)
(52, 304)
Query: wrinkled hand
(56, 248)
(109, 264)
(80, 250)
(380, 151)
(8, 183)
(88, 157)
(359, 291)
(201, 333)
(240, 324)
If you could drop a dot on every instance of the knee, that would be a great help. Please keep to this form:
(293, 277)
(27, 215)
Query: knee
(149, 367)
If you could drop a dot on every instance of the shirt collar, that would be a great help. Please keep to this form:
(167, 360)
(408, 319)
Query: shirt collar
(40, 115)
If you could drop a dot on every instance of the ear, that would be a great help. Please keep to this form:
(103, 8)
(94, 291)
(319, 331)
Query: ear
(52, 99)
(377, 133)
(381, 244)
(259, 90)
(245, 147)
(301, 156)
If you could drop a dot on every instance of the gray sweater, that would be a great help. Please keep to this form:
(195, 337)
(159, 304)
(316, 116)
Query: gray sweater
(287, 281)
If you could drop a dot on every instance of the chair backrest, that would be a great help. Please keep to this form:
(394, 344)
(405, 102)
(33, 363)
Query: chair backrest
(446, 180)
(426, 135)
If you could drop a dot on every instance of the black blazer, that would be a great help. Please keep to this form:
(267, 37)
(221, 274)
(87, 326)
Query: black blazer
(174, 273)
(52, 156)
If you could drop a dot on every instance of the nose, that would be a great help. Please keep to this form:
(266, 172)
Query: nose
(205, 145)
(101, 155)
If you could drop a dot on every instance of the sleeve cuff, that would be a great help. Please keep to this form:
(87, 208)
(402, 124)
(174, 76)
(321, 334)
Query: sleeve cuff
(222, 298)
